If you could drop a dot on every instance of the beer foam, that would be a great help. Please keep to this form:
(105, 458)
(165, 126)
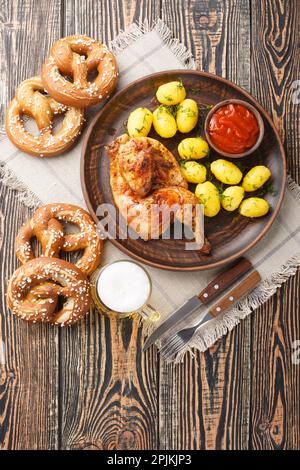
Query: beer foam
(123, 286)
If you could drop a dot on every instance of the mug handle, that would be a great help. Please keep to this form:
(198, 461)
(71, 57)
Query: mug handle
(149, 313)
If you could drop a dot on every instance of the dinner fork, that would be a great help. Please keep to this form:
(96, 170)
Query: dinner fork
(175, 344)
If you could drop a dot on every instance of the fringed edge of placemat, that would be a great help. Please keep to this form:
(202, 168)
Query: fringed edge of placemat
(267, 288)
(218, 327)
(137, 30)
(23, 193)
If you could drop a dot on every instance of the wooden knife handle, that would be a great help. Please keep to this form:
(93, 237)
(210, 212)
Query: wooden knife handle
(236, 294)
(224, 280)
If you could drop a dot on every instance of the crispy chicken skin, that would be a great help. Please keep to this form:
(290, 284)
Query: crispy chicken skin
(146, 164)
(136, 166)
(143, 175)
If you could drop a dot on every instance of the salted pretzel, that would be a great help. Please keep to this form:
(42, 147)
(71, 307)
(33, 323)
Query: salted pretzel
(47, 226)
(49, 290)
(31, 101)
(76, 57)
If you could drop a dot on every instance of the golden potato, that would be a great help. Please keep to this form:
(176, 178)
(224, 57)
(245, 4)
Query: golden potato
(193, 172)
(254, 207)
(193, 148)
(187, 115)
(226, 172)
(171, 93)
(255, 178)
(208, 195)
(164, 122)
(232, 197)
(139, 122)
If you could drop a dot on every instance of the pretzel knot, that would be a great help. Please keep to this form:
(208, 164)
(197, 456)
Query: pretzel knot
(31, 101)
(76, 57)
(49, 291)
(46, 226)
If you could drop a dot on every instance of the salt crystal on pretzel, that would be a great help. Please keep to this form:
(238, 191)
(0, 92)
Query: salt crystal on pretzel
(75, 57)
(36, 289)
(31, 101)
(46, 226)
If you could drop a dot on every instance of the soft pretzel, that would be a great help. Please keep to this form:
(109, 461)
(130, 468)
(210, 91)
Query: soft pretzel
(31, 101)
(46, 226)
(49, 290)
(76, 57)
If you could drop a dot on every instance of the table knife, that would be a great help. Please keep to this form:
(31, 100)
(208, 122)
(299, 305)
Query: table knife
(216, 287)
(174, 344)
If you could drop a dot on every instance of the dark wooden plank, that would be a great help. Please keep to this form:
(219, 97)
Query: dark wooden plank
(106, 18)
(23, 47)
(108, 390)
(108, 387)
(207, 397)
(28, 353)
(275, 421)
(28, 357)
(275, 65)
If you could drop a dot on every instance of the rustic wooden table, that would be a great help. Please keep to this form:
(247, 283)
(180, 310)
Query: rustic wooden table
(90, 387)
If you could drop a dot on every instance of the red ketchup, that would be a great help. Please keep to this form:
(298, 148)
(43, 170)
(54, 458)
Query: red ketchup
(233, 128)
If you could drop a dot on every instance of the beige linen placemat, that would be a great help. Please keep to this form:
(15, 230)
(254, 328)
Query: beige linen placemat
(140, 51)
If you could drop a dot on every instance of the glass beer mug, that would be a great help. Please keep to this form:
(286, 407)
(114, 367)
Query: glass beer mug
(123, 288)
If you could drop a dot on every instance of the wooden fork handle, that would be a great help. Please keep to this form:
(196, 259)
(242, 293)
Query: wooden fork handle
(236, 294)
(224, 280)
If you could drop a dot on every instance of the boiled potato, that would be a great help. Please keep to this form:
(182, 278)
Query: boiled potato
(232, 197)
(139, 122)
(164, 122)
(255, 178)
(187, 115)
(171, 93)
(254, 207)
(193, 172)
(193, 148)
(226, 172)
(208, 195)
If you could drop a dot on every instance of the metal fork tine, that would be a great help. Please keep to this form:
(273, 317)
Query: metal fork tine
(169, 344)
(173, 345)
(179, 340)
(169, 340)
(171, 353)
(165, 347)
(172, 348)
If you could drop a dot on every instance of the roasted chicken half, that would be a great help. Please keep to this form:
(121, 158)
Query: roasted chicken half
(146, 183)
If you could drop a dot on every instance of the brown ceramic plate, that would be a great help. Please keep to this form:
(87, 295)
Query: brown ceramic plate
(231, 235)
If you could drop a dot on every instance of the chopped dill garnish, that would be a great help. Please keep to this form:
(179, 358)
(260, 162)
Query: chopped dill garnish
(220, 188)
(267, 188)
(241, 166)
(171, 109)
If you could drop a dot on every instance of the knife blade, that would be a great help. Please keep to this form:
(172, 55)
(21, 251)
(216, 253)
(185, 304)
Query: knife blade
(188, 307)
(216, 287)
(174, 343)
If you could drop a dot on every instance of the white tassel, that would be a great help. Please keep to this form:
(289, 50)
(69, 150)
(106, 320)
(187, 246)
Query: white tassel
(221, 326)
(125, 38)
(137, 30)
(225, 323)
(23, 193)
(183, 54)
(294, 187)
